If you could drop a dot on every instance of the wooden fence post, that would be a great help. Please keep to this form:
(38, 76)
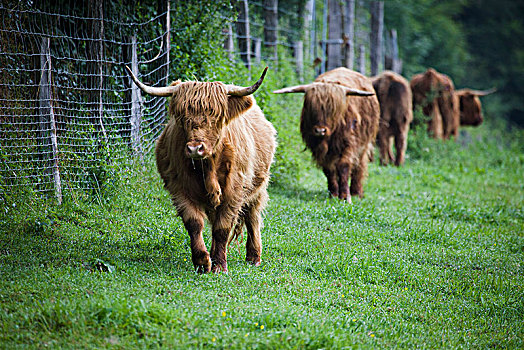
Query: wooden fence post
(362, 59)
(257, 50)
(136, 103)
(47, 116)
(349, 33)
(334, 49)
(392, 60)
(244, 38)
(377, 26)
(229, 45)
(271, 27)
(96, 56)
(298, 49)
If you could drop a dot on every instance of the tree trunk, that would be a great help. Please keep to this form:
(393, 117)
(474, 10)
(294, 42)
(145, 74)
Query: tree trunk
(349, 33)
(377, 26)
(271, 27)
(334, 52)
(243, 35)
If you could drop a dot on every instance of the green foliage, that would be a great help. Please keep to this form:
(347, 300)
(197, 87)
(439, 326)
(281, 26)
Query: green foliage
(429, 35)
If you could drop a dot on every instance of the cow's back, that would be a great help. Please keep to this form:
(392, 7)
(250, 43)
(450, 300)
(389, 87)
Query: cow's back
(394, 95)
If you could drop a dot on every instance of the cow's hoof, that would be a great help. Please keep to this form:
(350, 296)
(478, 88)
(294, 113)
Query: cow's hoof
(202, 262)
(219, 268)
(255, 261)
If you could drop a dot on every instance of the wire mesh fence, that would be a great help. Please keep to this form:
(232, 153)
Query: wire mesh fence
(69, 114)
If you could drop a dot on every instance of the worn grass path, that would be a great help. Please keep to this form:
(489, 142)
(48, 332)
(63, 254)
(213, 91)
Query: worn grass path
(432, 257)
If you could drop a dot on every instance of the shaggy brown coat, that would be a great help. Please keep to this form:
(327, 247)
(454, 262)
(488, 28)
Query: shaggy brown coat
(434, 92)
(338, 127)
(470, 106)
(214, 157)
(396, 113)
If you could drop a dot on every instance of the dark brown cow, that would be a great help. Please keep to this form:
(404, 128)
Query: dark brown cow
(470, 106)
(396, 113)
(434, 92)
(337, 126)
(214, 157)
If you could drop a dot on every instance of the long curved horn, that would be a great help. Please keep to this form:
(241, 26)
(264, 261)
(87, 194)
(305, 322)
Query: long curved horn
(476, 92)
(304, 88)
(357, 92)
(244, 91)
(293, 89)
(151, 90)
(483, 92)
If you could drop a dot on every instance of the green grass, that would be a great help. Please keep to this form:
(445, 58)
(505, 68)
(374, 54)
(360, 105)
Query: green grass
(432, 257)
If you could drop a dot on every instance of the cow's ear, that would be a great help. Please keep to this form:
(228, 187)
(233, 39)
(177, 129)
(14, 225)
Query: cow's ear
(238, 105)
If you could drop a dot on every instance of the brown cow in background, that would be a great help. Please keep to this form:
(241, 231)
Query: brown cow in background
(435, 93)
(470, 106)
(214, 157)
(396, 113)
(338, 125)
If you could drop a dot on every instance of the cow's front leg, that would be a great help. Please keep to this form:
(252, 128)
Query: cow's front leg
(213, 189)
(223, 222)
(194, 225)
(332, 181)
(343, 176)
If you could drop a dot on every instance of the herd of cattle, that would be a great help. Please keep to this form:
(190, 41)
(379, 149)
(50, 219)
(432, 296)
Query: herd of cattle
(216, 150)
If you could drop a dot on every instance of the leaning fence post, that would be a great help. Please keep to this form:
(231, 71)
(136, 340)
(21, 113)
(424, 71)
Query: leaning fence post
(136, 103)
(47, 115)
(299, 58)
(257, 51)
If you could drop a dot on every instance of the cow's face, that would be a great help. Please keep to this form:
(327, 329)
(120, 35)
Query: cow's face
(202, 133)
(470, 110)
(324, 108)
(202, 110)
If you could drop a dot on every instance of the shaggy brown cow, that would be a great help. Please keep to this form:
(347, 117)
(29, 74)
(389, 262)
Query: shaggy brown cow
(214, 157)
(338, 126)
(396, 113)
(470, 106)
(435, 93)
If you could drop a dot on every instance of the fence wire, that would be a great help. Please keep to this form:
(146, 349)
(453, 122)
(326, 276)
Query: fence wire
(69, 114)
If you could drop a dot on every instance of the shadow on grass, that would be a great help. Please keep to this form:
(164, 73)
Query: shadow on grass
(295, 191)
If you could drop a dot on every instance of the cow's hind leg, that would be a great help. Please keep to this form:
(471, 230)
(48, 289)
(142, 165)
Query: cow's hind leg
(358, 174)
(253, 216)
(194, 224)
(400, 146)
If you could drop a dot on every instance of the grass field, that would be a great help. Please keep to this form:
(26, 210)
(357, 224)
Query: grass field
(432, 257)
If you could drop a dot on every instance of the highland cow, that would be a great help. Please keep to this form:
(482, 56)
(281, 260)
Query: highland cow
(396, 113)
(338, 125)
(214, 157)
(470, 106)
(435, 93)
